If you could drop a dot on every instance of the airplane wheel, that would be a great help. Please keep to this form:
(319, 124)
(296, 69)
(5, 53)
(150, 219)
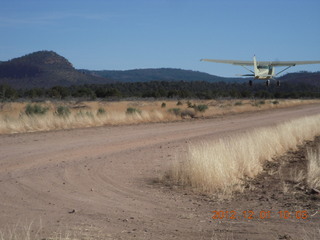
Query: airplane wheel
(278, 83)
(268, 83)
(250, 82)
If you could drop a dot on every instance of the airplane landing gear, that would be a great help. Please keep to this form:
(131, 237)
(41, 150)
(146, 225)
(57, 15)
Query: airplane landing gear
(268, 83)
(250, 82)
(278, 83)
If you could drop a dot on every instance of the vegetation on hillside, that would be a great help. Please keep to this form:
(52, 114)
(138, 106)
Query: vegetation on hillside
(162, 89)
(159, 74)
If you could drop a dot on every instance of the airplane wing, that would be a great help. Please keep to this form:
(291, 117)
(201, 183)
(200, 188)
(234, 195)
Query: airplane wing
(263, 63)
(288, 63)
(234, 62)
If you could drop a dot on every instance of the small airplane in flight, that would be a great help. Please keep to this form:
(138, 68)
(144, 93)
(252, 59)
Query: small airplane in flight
(262, 70)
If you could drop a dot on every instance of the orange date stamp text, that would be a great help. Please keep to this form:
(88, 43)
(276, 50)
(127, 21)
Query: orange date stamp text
(249, 214)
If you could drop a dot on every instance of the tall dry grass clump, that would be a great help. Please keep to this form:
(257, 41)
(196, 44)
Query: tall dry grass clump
(28, 233)
(222, 165)
(66, 120)
(313, 172)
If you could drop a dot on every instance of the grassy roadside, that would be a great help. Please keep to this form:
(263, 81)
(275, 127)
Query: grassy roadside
(46, 116)
(224, 165)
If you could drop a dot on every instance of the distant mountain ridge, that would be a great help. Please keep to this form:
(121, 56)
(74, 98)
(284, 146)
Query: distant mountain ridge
(309, 78)
(159, 74)
(45, 69)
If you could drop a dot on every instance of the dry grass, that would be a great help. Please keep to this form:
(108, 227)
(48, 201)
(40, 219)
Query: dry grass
(31, 231)
(313, 174)
(297, 176)
(27, 234)
(309, 234)
(86, 114)
(223, 165)
(17, 234)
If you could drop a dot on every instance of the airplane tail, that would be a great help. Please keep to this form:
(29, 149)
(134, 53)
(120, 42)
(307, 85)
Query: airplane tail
(256, 71)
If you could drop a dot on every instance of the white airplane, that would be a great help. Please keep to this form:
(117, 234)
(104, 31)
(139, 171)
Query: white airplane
(263, 70)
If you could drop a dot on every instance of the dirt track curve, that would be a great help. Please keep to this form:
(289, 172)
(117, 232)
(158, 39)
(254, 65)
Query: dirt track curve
(98, 181)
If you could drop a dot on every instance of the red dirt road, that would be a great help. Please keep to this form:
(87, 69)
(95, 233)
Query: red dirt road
(98, 182)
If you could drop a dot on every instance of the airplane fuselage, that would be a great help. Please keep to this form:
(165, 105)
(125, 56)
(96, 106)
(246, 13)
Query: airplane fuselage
(264, 72)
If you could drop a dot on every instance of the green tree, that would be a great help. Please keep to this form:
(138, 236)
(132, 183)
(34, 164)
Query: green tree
(7, 92)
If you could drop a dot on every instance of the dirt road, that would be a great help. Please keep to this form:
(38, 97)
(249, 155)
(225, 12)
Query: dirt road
(98, 182)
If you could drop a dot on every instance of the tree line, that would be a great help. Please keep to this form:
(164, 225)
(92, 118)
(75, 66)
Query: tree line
(163, 89)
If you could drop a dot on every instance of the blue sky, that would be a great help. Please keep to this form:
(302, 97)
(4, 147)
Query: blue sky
(120, 35)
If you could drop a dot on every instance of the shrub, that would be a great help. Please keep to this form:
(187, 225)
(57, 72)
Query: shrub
(35, 109)
(190, 104)
(101, 111)
(175, 111)
(262, 102)
(255, 104)
(80, 113)
(188, 113)
(163, 105)
(238, 103)
(275, 102)
(131, 110)
(89, 114)
(179, 103)
(85, 114)
(63, 111)
(201, 108)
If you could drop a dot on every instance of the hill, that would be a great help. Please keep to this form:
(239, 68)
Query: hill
(160, 74)
(43, 69)
(173, 74)
(308, 78)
